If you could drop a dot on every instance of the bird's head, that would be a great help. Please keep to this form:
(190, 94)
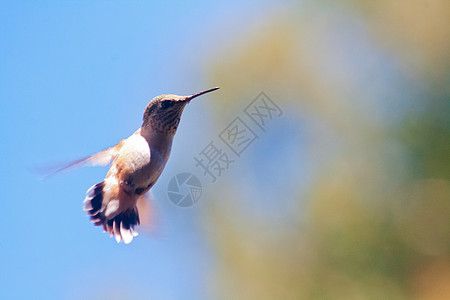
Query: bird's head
(163, 113)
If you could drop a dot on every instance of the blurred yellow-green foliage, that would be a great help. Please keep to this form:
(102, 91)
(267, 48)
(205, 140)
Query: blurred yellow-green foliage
(370, 83)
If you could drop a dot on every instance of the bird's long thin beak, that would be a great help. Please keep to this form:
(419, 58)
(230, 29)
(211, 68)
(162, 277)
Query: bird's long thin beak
(189, 98)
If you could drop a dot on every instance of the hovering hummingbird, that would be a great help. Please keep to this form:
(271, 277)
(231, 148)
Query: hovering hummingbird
(137, 163)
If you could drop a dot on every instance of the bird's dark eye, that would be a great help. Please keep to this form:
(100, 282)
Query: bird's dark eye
(166, 104)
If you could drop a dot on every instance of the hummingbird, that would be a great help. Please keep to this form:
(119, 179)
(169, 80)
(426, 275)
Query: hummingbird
(137, 163)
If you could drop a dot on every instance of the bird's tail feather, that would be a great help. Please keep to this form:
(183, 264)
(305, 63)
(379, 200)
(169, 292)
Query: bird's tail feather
(121, 226)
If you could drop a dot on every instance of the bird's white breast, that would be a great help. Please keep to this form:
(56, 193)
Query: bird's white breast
(134, 154)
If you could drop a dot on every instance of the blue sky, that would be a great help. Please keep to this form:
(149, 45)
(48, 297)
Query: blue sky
(75, 77)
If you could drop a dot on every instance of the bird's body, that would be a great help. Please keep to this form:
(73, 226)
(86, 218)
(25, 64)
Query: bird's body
(137, 163)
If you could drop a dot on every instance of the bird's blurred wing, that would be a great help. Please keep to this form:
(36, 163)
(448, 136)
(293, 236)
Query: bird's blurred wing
(150, 223)
(102, 158)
